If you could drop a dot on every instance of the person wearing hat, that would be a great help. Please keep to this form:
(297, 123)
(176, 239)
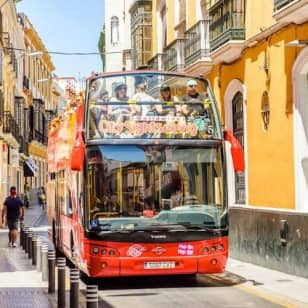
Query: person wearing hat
(116, 112)
(120, 90)
(194, 98)
(13, 210)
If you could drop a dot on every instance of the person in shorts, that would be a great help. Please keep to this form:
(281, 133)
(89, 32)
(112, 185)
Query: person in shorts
(13, 210)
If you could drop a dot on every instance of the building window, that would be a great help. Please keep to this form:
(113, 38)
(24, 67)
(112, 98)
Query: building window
(114, 30)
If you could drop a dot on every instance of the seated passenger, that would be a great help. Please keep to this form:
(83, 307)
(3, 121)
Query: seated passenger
(103, 96)
(141, 95)
(113, 205)
(195, 98)
(115, 111)
(168, 108)
(120, 90)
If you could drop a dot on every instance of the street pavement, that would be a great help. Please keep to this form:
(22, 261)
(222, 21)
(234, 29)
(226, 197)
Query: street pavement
(20, 284)
(242, 285)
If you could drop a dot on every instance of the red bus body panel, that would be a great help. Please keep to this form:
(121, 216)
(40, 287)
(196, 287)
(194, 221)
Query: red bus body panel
(131, 258)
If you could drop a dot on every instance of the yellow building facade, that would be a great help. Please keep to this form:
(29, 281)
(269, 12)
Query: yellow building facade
(40, 98)
(255, 55)
(244, 49)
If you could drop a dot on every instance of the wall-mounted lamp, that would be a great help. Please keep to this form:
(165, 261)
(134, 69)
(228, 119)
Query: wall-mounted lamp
(297, 43)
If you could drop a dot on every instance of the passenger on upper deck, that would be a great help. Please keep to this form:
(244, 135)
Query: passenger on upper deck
(195, 100)
(168, 107)
(114, 110)
(141, 95)
(120, 90)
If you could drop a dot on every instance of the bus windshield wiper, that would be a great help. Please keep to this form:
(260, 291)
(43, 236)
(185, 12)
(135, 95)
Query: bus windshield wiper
(190, 226)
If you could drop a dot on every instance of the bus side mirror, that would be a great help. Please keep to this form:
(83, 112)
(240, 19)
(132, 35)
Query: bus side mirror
(236, 152)
(78, 153)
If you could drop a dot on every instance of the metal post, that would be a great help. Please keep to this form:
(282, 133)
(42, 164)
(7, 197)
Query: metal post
(38, 254)
(44, 261)
(92, 296)
(51, 271)
(34, 248)
(30, 234)
(26, 241)
(21, 234)
(74, 288)
(61, 282)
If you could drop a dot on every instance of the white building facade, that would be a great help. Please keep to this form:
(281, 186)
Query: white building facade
(117, 35)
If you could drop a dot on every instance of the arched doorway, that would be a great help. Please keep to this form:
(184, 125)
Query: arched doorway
(300, 118)
(235, 119)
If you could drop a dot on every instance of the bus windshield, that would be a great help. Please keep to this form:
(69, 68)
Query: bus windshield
(146, 186)
(151, 105)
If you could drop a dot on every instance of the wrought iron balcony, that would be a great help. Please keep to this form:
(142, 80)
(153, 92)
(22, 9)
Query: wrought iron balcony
(278, 4)
(174, 56)
(228, 27)
(10, 125)
(157, 62)
(24, 146)
(291, 11)
(196, 42)
(26, 83)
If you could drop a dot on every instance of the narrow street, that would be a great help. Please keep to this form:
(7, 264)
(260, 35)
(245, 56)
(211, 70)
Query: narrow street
(242, 285)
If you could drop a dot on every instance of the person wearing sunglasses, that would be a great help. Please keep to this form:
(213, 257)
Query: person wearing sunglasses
(194, 99)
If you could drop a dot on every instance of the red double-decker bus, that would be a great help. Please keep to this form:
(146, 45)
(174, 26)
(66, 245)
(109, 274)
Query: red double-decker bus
(137, 177)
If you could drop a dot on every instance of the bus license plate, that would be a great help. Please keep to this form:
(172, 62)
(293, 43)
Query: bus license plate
(159, 265)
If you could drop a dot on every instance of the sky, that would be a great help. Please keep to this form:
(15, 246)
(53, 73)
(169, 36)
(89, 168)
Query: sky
(68, 26)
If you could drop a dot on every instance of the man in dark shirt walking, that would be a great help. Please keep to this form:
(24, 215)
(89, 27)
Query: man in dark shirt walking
(13, 209)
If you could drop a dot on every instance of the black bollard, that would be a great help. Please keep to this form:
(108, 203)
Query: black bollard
(26, 241)
(24, 237)
(51, 271)
(61, 282)
(21, 234)
(34, 247)
(92, 296)
(74, 288)
(30, 235)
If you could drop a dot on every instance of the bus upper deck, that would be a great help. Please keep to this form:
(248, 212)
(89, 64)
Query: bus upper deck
(151, 105)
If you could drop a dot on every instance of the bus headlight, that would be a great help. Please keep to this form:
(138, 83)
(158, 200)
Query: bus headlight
(95, 250)
(220, 247)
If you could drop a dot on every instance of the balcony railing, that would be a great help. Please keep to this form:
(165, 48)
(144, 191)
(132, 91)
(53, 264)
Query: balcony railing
(174, 56)
(10, 125)
(228, 27)
(25, 83)
(279, 4)
(24, 146)
(195, 43)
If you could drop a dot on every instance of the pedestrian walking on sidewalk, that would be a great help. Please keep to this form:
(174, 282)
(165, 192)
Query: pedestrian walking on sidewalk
(13, 210)
(42, 198)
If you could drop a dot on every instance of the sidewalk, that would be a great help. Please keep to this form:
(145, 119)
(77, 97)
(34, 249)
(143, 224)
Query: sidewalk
(20, 284)
(270, 283)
